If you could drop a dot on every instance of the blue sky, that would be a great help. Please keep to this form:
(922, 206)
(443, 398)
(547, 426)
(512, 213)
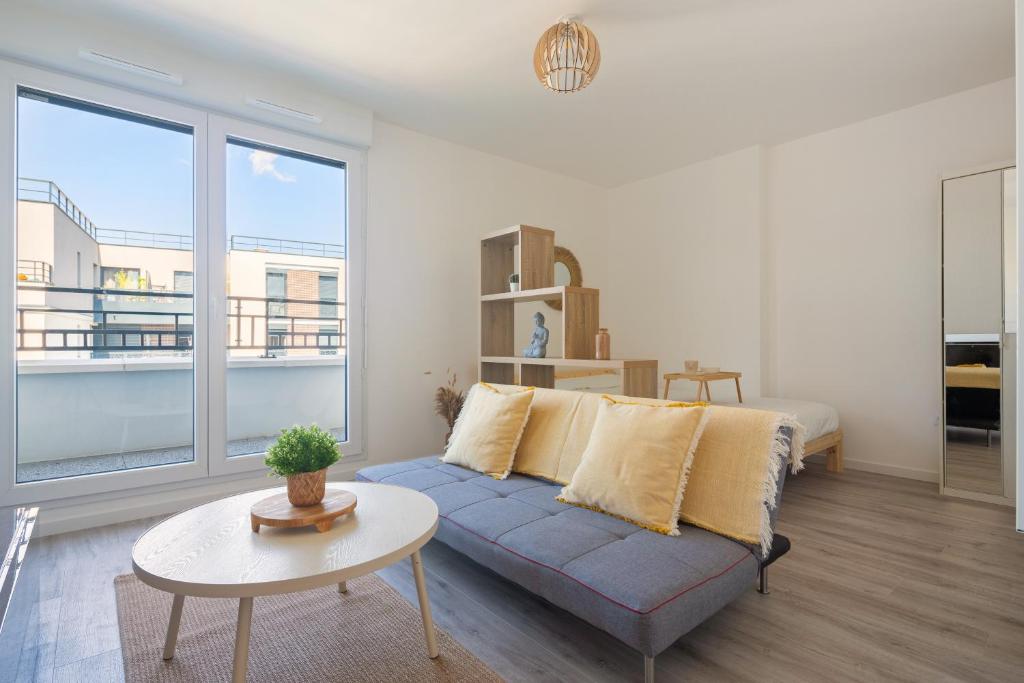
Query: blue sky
(125, 174)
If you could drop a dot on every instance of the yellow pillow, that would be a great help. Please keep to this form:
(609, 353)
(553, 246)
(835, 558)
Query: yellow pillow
(488, 430)
(551, 415)
(637, 461)
(735, 472)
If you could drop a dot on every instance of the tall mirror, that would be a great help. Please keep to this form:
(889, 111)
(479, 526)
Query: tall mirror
(979, 303)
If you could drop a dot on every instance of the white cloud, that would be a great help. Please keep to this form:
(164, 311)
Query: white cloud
(263, 164)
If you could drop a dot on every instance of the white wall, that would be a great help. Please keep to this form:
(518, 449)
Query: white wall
(684, 266)
(854, 219)
(430, 201)
(811, 266)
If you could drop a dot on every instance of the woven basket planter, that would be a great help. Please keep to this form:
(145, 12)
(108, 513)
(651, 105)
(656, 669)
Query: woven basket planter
(307, 488)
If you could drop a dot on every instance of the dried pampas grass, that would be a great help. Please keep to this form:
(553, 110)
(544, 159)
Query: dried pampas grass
(448, 402)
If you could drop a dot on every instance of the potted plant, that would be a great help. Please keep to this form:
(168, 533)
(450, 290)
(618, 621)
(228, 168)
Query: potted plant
(303, 454)
(513, 282)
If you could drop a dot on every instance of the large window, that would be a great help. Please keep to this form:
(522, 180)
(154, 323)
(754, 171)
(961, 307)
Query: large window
(130, 212)
(104, 370)
(285, 230)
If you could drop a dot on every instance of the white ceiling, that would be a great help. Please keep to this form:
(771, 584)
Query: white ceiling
(680, 80)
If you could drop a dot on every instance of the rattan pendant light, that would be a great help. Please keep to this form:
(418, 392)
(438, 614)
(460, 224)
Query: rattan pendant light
(567, 57)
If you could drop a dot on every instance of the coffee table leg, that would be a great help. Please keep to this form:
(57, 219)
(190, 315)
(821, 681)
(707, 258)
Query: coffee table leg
(421, 593)
(342, 587)
(172, 626)
(242, 640)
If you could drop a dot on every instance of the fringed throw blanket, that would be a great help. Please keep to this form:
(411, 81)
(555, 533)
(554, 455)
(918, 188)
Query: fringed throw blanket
(735, 473)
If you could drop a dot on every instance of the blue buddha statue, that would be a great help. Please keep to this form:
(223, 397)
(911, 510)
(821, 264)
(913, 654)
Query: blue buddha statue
(538, 347)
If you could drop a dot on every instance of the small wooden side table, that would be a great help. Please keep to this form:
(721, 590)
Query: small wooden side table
(702, 379)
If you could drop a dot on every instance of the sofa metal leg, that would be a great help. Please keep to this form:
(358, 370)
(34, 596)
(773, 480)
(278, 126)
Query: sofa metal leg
(648, 669)
(762, 581)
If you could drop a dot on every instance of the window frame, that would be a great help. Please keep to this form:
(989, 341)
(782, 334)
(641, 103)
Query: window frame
(209, 315)
(13, 76)
(221, 130)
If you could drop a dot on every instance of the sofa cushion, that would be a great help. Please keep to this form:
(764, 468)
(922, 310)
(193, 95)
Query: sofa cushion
(735, 475)
(540, 448)
(636, 463)
(583, 421)
(487, 432)
(558, 431)
(644, 588)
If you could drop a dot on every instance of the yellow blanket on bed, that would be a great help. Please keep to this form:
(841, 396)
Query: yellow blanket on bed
(972, 376)
(735, 472)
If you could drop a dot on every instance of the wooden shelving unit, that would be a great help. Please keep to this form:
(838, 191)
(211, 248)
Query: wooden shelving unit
(529, 251)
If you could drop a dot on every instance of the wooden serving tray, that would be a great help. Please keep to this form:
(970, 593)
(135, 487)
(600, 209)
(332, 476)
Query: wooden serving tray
(278, 512)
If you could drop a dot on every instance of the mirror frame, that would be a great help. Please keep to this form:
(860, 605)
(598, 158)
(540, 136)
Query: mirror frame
(569, 260)
(1008, 457)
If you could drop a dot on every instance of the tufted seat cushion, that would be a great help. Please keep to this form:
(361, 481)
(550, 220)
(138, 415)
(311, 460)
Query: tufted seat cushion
(644, 588)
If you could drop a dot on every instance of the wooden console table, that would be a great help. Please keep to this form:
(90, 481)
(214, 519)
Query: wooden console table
(702, 379)
(639, 377)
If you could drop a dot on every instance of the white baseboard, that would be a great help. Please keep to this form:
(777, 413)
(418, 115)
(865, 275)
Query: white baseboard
(125, 506)
(892, 470)
(884, 468)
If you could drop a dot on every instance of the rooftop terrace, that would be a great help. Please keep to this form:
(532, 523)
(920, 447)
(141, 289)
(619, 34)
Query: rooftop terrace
(47, 191)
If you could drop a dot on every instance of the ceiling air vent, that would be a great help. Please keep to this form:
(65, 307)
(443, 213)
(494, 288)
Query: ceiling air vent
(283, 110)
(125, 65)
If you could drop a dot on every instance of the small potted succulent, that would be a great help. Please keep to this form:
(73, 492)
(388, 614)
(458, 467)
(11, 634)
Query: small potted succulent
(513, 282)
(303, 454)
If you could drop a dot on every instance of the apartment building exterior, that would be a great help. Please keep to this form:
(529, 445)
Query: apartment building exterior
(105, 339)
(91, 292)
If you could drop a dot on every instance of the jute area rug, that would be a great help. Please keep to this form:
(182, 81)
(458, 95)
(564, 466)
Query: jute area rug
(369, 634)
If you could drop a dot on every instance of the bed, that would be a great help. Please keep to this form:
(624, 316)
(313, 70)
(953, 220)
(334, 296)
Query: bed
(819, 419)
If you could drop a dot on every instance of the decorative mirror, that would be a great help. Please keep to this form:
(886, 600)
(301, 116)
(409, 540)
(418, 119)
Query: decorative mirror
(567, 272)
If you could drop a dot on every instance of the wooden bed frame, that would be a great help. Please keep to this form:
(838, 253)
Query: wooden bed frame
(832, 445)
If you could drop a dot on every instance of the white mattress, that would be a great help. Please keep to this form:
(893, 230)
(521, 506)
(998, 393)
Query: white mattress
(818, 419)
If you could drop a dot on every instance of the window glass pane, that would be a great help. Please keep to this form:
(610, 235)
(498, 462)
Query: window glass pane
(104, 335)
(286, 235)
(182, 281)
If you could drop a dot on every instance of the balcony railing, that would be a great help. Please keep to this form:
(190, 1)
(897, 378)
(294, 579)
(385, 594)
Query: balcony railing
(139, 238)
(296, 247)
(269, 328)
(35, 271)
(37, 190)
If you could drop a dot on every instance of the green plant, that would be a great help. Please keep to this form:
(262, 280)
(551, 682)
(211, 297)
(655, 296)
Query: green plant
(302, 449)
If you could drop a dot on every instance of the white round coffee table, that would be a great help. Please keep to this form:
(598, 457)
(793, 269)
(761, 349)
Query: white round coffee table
(211, 551)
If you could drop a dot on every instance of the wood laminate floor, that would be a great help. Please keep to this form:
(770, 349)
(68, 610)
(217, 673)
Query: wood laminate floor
(973, 463)
(886, 581)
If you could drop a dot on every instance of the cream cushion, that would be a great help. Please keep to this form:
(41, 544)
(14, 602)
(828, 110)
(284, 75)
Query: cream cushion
(489, 428)
(637, 460)
(558, 430)
(551, 416)
(734, 478)
(584, 418)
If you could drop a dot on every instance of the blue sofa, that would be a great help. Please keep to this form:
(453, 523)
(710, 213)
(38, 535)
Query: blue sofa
(644, 588)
